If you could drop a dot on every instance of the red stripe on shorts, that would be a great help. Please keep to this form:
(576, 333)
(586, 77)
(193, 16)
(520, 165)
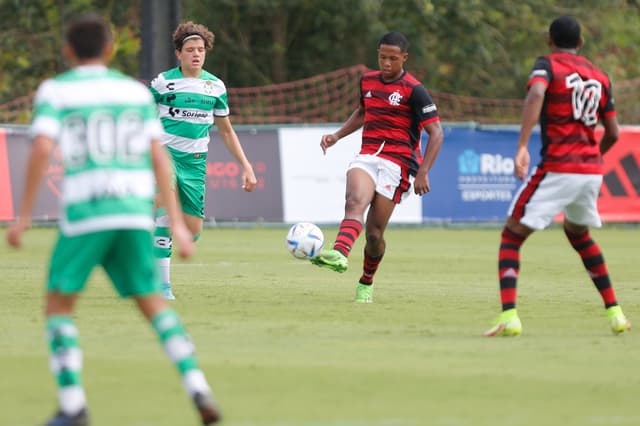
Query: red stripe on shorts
(402, 187)
(527, 193)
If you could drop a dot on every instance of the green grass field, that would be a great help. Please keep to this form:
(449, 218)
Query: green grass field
(283, 344)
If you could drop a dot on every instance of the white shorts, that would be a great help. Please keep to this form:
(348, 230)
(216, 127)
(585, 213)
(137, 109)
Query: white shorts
(546, 194)
(388, 177)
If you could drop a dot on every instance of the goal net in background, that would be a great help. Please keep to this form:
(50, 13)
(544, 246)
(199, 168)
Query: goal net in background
(332, 97)
(324, 98)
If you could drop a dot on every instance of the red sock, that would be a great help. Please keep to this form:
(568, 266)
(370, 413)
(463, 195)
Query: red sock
(349, 231)
(593, 261)
(509, 267)
(369, 268)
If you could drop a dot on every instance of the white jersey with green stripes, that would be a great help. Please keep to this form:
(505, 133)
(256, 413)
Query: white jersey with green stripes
(103, 122)
(187, 107)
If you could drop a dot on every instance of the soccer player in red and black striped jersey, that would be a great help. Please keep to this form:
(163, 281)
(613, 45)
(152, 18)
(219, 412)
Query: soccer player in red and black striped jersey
(569, 96)
(394, 109)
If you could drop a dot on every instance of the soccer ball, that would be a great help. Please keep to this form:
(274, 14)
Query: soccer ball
(304, 240)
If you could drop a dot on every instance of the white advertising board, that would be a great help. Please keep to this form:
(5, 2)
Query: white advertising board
(313, 184)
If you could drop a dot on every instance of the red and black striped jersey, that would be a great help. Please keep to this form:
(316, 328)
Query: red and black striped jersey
(395, 113)
(578, 95)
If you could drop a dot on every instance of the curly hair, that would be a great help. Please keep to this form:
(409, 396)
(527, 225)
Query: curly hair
(189, 28)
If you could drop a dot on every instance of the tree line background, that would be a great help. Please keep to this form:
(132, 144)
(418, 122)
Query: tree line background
(468, 47)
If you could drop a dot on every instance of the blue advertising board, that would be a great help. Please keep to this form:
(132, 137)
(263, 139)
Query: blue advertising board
(473, 177)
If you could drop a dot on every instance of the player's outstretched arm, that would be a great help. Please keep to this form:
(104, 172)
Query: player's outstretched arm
(353, 123)
(231, 141)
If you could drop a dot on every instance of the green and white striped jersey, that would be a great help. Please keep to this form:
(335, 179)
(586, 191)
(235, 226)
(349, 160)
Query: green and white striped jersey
(187, 107)
(103, 122)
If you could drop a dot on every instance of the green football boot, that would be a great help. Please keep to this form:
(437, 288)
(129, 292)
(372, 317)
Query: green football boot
(364, 293)
(618, 322)
(331, 259)
(507, 324)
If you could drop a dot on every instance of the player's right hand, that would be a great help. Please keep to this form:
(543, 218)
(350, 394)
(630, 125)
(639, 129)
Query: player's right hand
(328, 141)
(15, 231)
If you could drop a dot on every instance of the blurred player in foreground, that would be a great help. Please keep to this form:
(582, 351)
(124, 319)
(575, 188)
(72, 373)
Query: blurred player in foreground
(394, 109)
(107, 127)
(188, 99)
(569, 96)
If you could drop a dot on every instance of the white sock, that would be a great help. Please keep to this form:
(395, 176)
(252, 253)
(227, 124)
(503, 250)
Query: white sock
(195, 382)
(72, 399)
(164, 266)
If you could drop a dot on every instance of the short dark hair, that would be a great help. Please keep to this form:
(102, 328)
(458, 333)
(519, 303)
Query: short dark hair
(88, 35)
(565, 32)
(395, 38)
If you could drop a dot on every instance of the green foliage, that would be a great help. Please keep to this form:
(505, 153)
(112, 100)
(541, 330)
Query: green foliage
(33, 33)
(467, 47)
(262, 42)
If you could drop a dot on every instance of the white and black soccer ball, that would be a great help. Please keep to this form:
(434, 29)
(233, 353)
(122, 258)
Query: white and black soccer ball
(304, 240)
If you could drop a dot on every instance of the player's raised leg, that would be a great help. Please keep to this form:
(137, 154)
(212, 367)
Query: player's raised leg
(359, 193)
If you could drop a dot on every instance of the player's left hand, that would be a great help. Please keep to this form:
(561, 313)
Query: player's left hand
(421, 184)
(249, 180)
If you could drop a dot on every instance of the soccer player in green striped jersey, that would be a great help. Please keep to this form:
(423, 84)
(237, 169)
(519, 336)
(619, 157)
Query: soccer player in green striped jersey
(189, 98)
(107, 128)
